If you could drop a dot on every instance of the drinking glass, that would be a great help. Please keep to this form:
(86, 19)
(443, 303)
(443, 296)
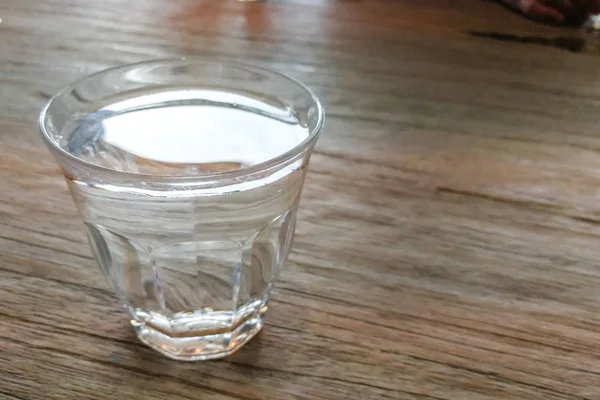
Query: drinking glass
(187, 175)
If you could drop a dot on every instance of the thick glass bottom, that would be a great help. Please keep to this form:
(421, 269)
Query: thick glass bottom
(199, 345)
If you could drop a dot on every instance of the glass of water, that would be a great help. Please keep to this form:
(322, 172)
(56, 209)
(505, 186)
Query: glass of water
(187, 174)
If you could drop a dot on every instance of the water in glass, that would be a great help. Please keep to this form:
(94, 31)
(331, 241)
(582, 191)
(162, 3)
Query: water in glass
(194, 265)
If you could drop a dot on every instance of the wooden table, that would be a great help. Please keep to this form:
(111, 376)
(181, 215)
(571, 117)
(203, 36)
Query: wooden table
(448, 240)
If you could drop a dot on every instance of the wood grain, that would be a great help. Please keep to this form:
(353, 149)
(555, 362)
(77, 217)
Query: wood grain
(447, 242)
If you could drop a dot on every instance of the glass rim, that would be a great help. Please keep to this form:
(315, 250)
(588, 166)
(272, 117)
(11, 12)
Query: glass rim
(46, 131)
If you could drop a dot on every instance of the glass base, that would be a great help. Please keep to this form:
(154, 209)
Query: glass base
(199, 346)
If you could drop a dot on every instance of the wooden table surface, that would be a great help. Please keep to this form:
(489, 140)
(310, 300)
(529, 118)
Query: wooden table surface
(448, 241)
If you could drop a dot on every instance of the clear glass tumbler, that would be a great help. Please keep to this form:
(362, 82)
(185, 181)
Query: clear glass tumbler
(187, 174)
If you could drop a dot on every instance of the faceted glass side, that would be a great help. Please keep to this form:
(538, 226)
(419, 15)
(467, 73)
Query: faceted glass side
(262, 260)
(195, 299)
